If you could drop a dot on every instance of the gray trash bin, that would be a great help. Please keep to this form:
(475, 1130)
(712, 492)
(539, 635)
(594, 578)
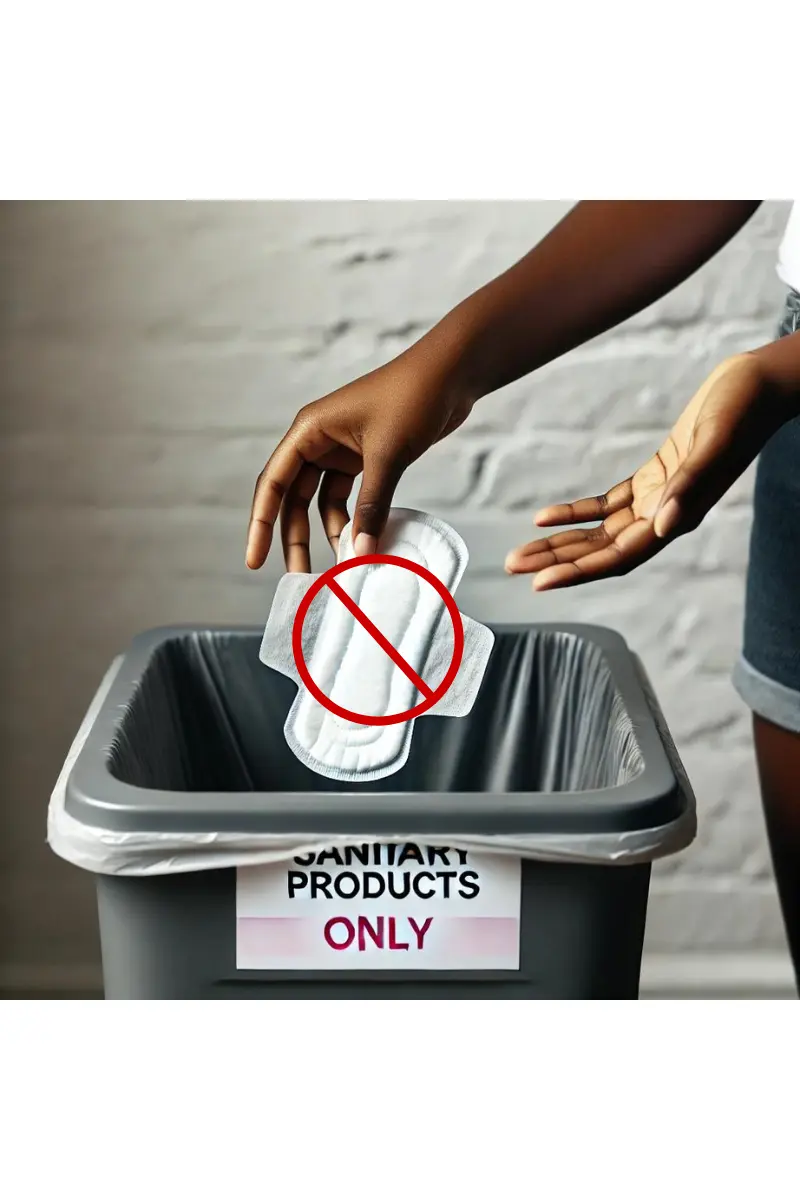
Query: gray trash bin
(562, 785)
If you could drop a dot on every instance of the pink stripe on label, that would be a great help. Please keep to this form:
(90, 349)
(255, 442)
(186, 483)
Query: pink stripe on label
(449, 943)
(284, 937)
(483, 937)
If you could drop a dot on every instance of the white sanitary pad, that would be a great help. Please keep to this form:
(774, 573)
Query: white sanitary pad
(354, 671)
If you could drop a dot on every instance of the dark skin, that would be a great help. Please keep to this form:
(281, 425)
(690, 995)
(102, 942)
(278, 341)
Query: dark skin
(778, 755)
(630, 252)
(718, 434)
(603, 263)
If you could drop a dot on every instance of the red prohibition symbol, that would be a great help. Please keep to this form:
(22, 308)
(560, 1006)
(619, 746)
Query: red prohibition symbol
(328, 579)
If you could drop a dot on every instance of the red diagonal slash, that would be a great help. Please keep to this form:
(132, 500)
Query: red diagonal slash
(383, 642)
(431, 698)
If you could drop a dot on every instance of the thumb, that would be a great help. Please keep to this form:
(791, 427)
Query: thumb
(711, 467)
(381, 477)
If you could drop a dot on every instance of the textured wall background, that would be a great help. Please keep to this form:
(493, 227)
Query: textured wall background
(150, 354)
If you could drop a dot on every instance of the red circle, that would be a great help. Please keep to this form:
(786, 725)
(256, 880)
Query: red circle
(313, 592)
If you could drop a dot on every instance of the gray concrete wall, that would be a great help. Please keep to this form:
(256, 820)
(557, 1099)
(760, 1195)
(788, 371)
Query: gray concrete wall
(150, 354)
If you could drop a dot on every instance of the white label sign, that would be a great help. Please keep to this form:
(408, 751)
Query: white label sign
(380, 907)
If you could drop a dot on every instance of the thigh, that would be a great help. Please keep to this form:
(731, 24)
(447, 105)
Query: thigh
(778, 755)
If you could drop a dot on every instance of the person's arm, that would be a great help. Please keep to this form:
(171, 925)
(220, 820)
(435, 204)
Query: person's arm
(604, 262)
(746, 400)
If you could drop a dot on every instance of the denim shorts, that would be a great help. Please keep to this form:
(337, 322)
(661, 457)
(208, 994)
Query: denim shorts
(767, 675)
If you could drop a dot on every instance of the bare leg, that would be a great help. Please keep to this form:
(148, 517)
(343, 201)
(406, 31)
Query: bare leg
(778, 754)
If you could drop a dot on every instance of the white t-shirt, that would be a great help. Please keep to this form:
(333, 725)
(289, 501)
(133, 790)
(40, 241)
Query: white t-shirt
(789, 253)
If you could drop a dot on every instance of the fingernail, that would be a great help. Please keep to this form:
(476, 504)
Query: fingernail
(364, 544)
(667, 518)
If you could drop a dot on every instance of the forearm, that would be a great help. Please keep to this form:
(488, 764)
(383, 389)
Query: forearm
(605, 261)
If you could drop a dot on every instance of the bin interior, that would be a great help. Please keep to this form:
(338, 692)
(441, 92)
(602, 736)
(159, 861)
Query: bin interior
(208, 716)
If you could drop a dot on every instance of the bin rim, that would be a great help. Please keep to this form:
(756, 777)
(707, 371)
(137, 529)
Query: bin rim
(98, 800)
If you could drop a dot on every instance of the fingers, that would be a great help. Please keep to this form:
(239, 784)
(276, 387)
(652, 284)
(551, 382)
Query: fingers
(381, 477)
(595, 508)
(578, 556)
(271, 487)
(567, 547)
(630, 548)
(547, 552)
(295, 527)
(333, 495)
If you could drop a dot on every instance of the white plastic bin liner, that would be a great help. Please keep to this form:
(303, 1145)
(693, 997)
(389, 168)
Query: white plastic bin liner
(588, 740)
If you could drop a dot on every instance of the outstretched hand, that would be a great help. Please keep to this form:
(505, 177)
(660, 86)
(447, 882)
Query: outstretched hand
(717, 436)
